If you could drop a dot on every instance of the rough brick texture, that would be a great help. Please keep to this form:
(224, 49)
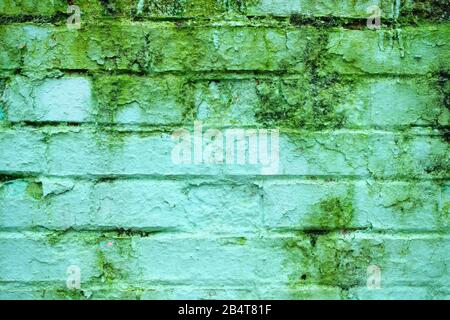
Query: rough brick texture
(87, 179)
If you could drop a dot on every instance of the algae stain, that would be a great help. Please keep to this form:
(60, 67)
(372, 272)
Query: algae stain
(311, 102)
(108, 272)
(112, 248)
(330, 260)
(70, 294)
(333, 213)
(343, 263)
(327, 255)
(34, 190)
(164, 7)
(55, 237)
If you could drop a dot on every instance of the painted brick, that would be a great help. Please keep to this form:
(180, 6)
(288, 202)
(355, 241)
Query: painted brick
(352, 205)
(404, 51)
(65, 203)
(78, 152)
(354, 9)
(18, 7)
(368, 102)
(38, 261)
(376, 102)
(143, 47)
(199, 8)
(86, 170)
(81, 99)
(254, 262)
(23, 150)
(155, 151)
(67, 99)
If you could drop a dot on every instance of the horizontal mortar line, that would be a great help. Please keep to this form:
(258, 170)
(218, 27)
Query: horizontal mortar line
(255, 20)
(163, 284)
(93, 126)
(191, 75)
(248, 178)
(213, 75)
(259, 234)
(235, 283)
(159, 287)
(171, 284)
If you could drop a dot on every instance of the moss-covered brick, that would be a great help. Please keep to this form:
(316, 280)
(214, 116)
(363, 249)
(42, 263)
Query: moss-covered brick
(89, 181)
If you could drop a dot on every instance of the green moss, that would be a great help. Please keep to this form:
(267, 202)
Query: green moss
(324, 255)
(425, 9)
(328, 259)
(308, 103)
(235, 241)
(439, 167)
(334, 212)
(342, 264)
(111, 96)
(34, 190)
(119, 252)
(108, 272)
(70, 294)
(443, 85)
(109, 137)
(445, 213)
(163, 7)
(55, 237)
(2, 105)
(109, 6)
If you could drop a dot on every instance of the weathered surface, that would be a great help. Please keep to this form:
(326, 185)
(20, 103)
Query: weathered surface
(87, 177)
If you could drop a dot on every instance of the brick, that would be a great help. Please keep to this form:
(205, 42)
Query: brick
(340, 260)
(16, 291)
(79, 152)
(38, 261)
(67, 99)
(371, 205)
(18, 7)
(199, 8)
(372, 102)
(315, 154)
(140, 47)
(400, 293)
(141, 100)
(322, 8)
(408, 51)
(175, 206)
(89, 177)
(380, 102)
(222, 207)
(394, 102)
(85, 100)
(23, 150)
(416, 157)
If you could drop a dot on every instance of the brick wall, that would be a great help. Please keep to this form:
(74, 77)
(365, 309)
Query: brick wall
(86, 175)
